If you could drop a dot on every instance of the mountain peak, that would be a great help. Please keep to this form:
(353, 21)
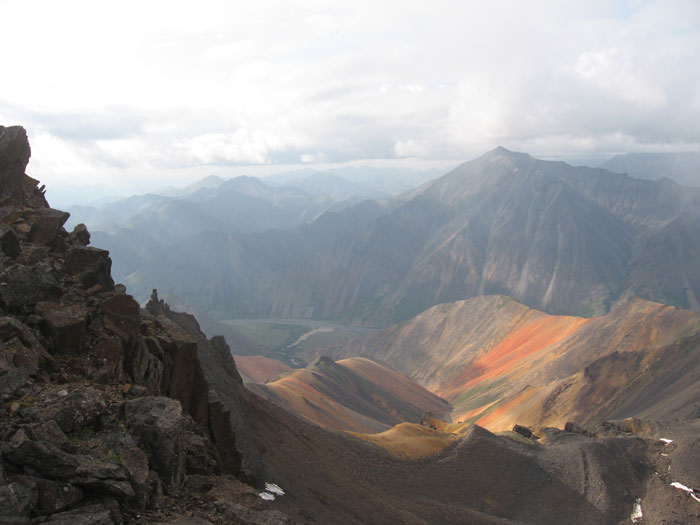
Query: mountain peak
(501, 152)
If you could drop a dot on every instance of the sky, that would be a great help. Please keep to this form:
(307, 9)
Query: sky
(140, 95)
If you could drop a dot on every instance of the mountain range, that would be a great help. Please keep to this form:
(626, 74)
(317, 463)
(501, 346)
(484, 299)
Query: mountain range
(682, 168)
(500, 363)
(562, 239)
(115, 414)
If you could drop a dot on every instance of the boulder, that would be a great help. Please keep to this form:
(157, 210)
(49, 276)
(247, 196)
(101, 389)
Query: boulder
(12, 380)
(14, 157)
(81, 234)
(64, 324)
(159, 427)
(97, 514)
(111, 353)
(523, 431)
(79, 409)
(77, 469)
(52, 496)
(123, 314)
(134, 460)
(21, 287)
(9, 243)
(45, 225)
(92, 265)
(143, 362)
(17, 499)
(49, 432)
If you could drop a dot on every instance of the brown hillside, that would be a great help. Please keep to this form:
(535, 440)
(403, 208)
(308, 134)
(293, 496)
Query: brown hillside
(499, 362)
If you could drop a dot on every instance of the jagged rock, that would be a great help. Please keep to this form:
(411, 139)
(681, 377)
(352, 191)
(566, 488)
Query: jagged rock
(12, 381)
(9, 243)
(197, 454)
(21, 287)
(99, 514)
(159, 426)
(46, 223)
(81, 234)
(20, 348)
(122, 314)
(221, 389)
(79, 409)
(77, 469)
(64, 324)
(50, 432)
(52, 497)
(111, 352)
(134, 460)
(143, 366)
(574, 428)
(523, 431)
(14, 156)
(92, 264)
(18, 499)
(154, 491)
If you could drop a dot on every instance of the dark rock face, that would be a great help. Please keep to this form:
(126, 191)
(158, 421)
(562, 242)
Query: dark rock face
(92, 265)
(9, 243)
(105, 410)
(15, 157)
(221, 409)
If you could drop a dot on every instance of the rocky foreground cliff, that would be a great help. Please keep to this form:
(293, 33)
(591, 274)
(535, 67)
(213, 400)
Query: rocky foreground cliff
(114, 414)
(109, 413)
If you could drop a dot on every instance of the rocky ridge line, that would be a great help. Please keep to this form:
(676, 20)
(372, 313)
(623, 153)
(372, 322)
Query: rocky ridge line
(108, 413)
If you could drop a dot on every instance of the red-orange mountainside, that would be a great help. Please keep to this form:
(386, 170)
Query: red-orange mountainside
(499, 362)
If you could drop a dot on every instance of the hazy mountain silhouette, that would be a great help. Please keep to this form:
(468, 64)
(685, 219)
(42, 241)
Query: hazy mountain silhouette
(563, 239)
(682, 168)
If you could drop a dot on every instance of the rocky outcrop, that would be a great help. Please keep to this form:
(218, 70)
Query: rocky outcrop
(106, 410)
(204, 378)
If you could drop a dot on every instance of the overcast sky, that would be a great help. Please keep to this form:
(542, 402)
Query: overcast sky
(149, 93)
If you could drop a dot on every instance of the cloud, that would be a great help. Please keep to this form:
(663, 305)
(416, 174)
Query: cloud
(240, 147)
(164, 86)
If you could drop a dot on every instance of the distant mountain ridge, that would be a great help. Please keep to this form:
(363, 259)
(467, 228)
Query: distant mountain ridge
(563, 239)
(682, 168)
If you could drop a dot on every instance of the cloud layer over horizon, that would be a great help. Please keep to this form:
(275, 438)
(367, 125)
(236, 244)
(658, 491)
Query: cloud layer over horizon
(112, 92)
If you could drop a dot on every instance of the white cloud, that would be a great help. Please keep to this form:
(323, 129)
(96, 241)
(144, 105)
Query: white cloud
(145, 86)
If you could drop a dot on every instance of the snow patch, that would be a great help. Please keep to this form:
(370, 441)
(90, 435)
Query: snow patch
(686, 489)
(637, 514)
(267, 496)
(666, 441)
(274, 489)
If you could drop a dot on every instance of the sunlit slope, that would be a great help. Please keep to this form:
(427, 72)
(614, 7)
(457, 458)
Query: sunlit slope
(500, 363)
(410, 440)
(258, 368)
(355, 394)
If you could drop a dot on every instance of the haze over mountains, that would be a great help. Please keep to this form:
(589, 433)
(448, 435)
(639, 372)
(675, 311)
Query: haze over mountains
(562, 239)
(682, 168)
(116, 414)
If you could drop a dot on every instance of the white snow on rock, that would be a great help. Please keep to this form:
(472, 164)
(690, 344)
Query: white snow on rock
(274, 489)
(267, 496)
(686, 489)
(667, 441)
(637, 514)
